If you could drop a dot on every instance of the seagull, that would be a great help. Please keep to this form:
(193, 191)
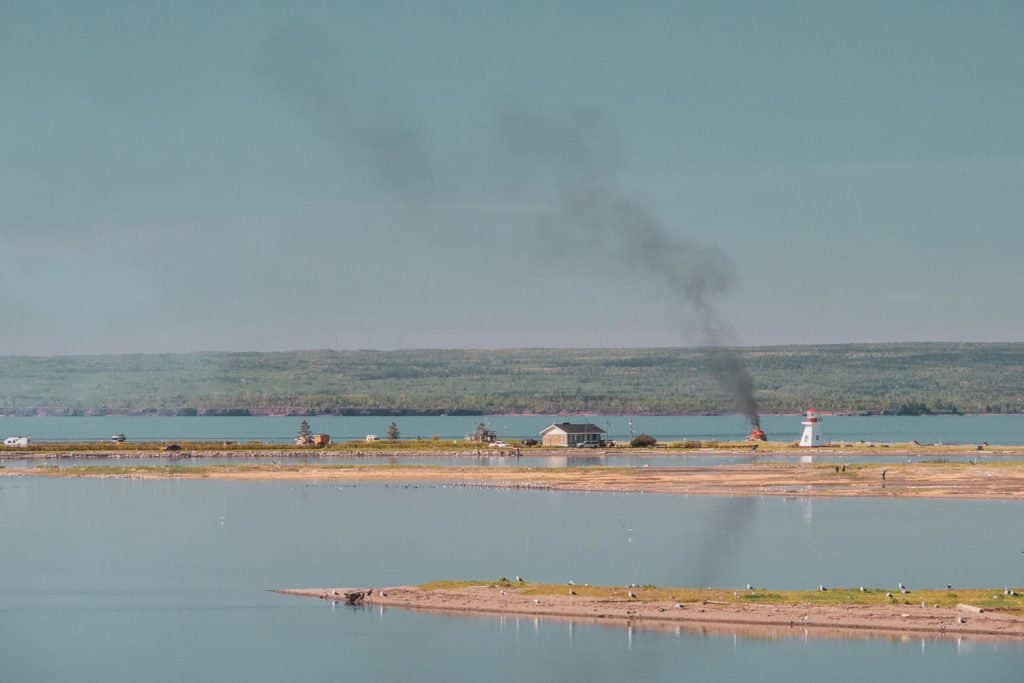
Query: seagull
(503, 593)
(749, 587)
(961, 620)
(678, 606)
(822, 588)
(804, 618)
(536, 601)
(862, 589)
(889, 595)
(900, 585)
(519, 579)
(949, 586)
(383, 594)
(632, 595)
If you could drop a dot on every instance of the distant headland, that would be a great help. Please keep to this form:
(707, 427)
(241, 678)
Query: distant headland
(870, 379)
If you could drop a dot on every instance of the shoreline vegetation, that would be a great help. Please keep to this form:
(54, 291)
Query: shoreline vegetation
(833, 612)
(947, 480)
(889, 379)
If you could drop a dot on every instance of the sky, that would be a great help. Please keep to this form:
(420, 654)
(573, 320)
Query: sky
(246, 175)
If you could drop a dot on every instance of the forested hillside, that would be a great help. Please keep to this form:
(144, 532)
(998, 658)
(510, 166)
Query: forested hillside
(907, 378)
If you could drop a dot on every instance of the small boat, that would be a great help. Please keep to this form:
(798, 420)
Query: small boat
(118, 438)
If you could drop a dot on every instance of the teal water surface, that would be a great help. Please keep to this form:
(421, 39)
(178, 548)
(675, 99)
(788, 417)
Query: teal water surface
(166, 580)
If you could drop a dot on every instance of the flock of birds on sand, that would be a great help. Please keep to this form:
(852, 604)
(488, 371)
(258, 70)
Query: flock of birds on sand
(1009, 592)
(902, 587)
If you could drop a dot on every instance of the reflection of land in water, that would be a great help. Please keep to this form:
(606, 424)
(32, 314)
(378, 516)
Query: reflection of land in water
(720, 630)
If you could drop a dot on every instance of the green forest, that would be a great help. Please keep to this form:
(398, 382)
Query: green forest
(916, 378)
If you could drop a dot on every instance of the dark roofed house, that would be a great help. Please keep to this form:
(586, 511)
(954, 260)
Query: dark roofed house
(570, 434)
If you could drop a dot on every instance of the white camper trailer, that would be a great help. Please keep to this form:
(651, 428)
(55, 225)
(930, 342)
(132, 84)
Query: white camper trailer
(16, 441)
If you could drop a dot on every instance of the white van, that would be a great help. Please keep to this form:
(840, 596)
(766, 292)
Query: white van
(16, 441)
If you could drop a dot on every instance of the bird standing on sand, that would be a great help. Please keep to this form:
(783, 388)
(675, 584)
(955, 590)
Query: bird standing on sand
(889, 595)
(862, 589)
(961, 620)
(749, 587)
(519, 579)
(632, 595)
(822, 588)
(949, 586)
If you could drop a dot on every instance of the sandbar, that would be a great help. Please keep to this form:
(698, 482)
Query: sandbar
(837, 613)
(986, 481)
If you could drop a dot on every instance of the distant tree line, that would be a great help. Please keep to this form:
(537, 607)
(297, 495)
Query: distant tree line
(883, 379)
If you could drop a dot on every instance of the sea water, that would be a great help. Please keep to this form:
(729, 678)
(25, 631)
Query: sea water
(165, 580)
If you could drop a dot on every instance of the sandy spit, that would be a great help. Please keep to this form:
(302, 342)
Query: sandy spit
(753, 620)
(996, 481)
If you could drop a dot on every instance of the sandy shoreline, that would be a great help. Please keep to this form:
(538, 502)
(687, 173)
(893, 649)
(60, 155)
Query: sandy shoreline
(755, 619)
(986, 481)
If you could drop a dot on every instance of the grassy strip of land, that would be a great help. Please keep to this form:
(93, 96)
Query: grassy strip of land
(986, 598)
(198, 448)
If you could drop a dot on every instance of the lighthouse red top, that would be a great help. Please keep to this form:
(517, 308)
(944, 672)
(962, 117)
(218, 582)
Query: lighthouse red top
(812, 415)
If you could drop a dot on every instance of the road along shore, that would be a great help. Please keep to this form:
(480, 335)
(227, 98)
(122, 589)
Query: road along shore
(985, 481)
(835, 613)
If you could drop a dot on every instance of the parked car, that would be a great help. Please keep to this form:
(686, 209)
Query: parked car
(499, 444)
(588, 444)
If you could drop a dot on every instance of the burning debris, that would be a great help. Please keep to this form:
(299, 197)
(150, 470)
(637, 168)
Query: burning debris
(757, 434)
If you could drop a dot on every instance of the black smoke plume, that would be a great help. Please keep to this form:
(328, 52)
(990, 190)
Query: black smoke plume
(578, 156)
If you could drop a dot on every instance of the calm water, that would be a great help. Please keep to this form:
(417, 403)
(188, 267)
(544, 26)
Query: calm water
(121, 580)
(996, 429)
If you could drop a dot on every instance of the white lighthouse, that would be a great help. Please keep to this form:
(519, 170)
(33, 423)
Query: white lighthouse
(811, 438)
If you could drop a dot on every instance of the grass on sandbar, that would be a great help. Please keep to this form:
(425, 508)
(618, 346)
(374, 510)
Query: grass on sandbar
(989, 598)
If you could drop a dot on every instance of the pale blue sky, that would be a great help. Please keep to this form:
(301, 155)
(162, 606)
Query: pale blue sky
(255, 175)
